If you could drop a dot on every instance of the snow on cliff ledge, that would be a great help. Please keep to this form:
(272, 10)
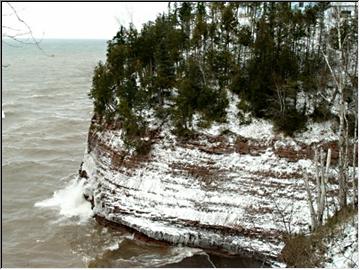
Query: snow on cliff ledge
(217, 192)
(260, 129)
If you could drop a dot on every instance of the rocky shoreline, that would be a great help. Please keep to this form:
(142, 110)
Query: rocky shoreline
(255, 259)
(228, 193)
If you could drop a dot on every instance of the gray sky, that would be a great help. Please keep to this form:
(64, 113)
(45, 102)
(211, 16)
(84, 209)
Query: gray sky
(77, 20)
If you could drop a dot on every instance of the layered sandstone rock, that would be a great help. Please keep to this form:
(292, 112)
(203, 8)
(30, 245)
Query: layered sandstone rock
(228, 192)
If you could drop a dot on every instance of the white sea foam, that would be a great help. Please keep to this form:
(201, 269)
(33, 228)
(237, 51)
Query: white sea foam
(113, 245)
(69, 201)
(175, 255)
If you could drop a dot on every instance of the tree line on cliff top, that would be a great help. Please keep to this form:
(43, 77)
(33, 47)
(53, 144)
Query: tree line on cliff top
(186, 61)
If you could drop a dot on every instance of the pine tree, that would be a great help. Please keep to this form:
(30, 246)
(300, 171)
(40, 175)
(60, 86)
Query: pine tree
(165, 77)
(185, 17)
(200, 33)
(102, 90)
(200, 50)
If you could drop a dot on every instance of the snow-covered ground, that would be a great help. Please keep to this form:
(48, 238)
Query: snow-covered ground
(342, 248)
(262, 130)
(257, 129)
(317, 132)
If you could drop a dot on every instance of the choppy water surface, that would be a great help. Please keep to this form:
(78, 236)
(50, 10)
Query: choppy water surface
(46, 222)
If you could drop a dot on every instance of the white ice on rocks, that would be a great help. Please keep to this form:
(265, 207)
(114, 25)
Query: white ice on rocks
(162, 199)
(154, 198)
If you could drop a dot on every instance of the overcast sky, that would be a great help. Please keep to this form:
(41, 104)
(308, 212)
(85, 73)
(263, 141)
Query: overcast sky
(78, 20)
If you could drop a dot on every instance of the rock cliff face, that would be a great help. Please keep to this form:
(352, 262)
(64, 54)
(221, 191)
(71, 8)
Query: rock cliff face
(237, 193)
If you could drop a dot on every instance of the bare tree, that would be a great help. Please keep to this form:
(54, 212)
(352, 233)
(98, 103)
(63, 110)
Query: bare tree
(284, 215)
(21, 33)
(321, 176)
(342, 74)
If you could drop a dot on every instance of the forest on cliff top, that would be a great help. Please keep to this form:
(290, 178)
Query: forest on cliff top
(279, 59)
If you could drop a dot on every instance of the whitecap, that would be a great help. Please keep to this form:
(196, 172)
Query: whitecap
(69, 201)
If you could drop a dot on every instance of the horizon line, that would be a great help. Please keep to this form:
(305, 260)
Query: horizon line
(46, 38)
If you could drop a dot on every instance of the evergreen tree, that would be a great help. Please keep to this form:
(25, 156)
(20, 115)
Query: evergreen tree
(185, 17)
(102, 90)
(195, 53)
(165, 77)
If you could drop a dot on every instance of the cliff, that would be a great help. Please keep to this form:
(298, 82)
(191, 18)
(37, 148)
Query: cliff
(232, 188)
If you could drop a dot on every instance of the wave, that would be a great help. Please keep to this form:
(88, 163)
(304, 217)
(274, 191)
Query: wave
(127, 252)
(51, 95)
(20, 164)
(70, 202)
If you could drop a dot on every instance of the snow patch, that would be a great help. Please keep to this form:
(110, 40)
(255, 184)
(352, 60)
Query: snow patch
(342, 250)
(317, 132)
(113, 138)
(287, 143)
(258, 129)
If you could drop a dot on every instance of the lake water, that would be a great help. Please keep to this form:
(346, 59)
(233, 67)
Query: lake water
(46, 222)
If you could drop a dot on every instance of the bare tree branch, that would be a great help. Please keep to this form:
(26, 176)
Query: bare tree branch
(29, 32)
(10, 28)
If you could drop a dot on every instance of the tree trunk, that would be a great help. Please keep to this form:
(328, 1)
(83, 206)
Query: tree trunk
(321, 190)
(341, 144)
(311, 207)
(354, 180)
(342, 176)
(316, 160)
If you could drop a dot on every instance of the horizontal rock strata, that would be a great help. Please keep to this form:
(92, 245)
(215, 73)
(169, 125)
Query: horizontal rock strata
(228, 193)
